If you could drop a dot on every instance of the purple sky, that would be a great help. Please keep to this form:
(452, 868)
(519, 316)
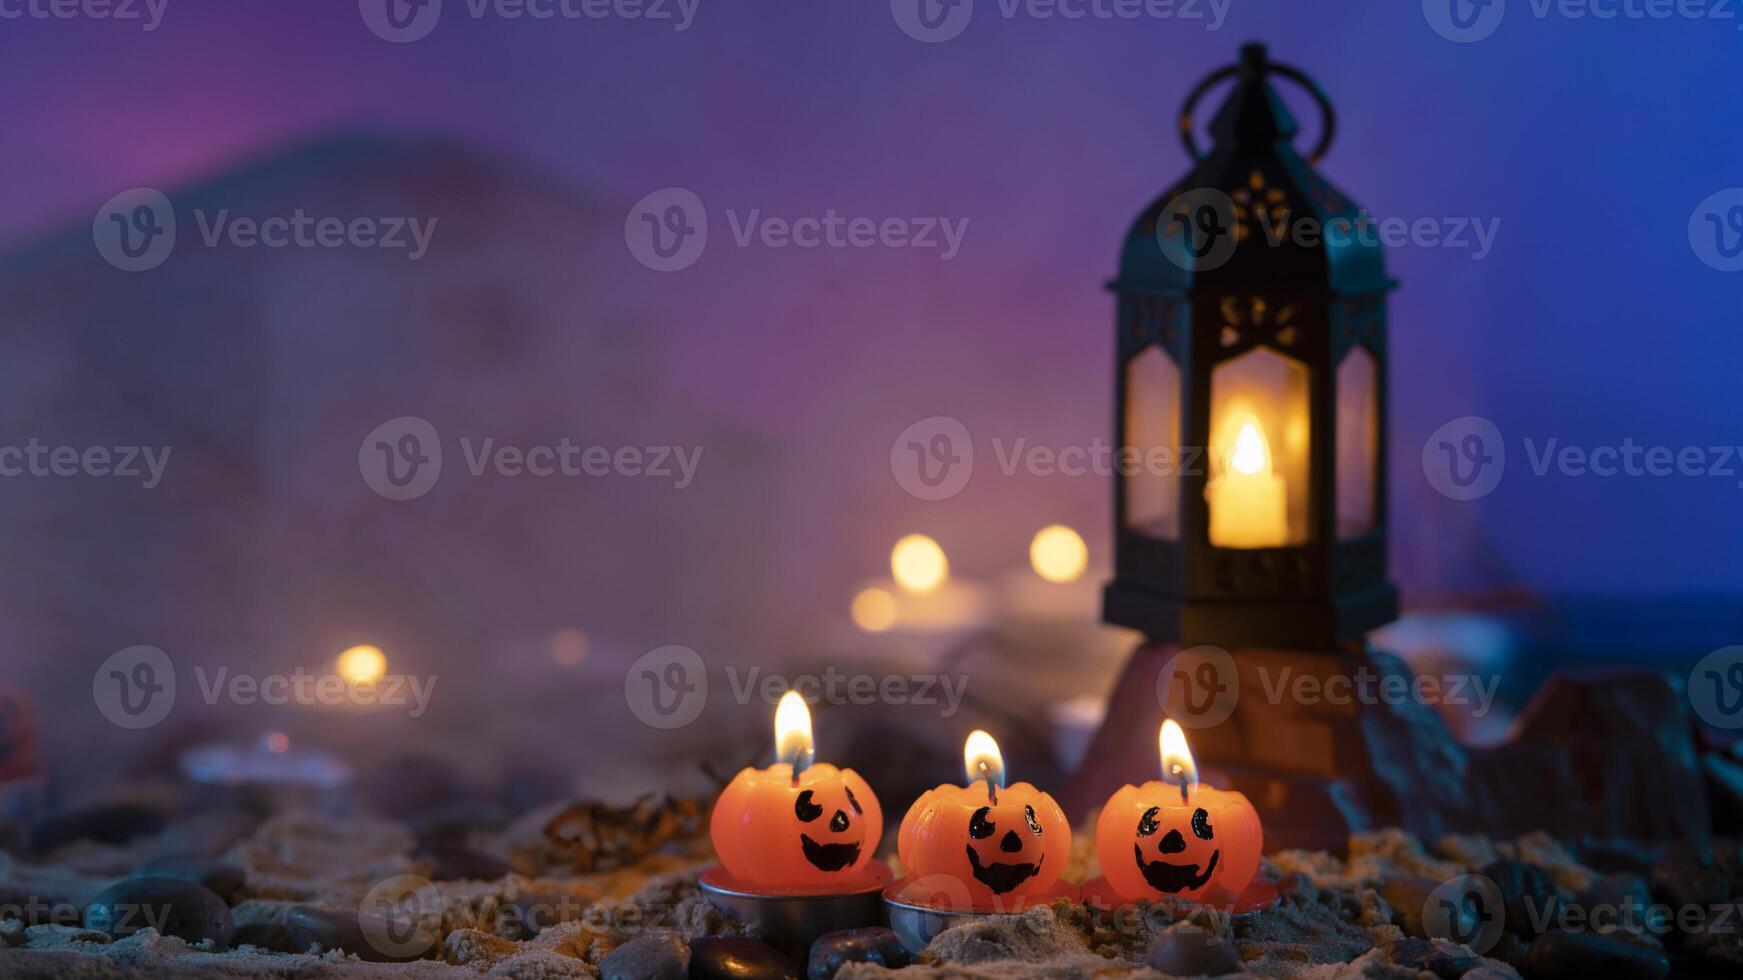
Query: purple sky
(1590, 141)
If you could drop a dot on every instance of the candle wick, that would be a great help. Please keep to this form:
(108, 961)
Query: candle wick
(1183, 796)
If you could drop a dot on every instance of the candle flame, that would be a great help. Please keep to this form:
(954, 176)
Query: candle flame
(1177, 764)
(918, 564)
(981, 760)
(793, 733)
(1251, 455)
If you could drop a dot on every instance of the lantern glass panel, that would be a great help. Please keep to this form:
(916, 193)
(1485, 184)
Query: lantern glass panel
(1153, 436)
(1358, 441)
(1257, 493)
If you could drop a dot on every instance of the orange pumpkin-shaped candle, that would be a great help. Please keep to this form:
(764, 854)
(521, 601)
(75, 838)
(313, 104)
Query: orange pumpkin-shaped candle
(986, 841)
(1177, 837)
(796, 827)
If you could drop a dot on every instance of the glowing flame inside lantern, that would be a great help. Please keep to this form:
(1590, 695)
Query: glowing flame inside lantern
(1177, 764)
(362, 664)
(981, 760)
(793, 733)
(1251, 455)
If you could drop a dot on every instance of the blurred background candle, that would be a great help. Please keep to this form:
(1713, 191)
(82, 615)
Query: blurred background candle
(797, 826)
(985, 843)
(1174, 836)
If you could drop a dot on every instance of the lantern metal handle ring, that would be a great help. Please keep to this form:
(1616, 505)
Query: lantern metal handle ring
(1254, 64)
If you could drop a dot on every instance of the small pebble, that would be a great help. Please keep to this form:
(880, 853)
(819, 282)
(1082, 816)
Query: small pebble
(531, 913)
(227, 880)
(737, 958)
(369, 937)
(114, 823)
(1443, 959)
(175, 907)
(1187, 950)
(873, 944)
(1409, 895)
(456, 862)
(1588, 956)
(1529, 893)
(655, 956)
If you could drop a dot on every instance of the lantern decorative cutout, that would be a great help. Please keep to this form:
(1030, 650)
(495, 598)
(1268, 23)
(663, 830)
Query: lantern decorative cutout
(1251, 507)
(985, 842)
(797, 826)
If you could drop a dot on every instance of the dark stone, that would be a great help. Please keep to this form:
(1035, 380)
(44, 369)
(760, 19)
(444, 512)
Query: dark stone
(114, 823)
(1602, 752)
(369, 937)
(1614, 855)
(1443, 959)
(173, 906)
(873, 944)
(1586, 956)
(451, 823)
(531, 913)
(1623, 897)
(1408, 895)
(227, 880)
(1187, 950)
(456, 862)
(14, 837)
(407, 785)
(1689, 874)
(655, 956)
(272, 936)
(1528, 892)
(207, 833)
(738, 958)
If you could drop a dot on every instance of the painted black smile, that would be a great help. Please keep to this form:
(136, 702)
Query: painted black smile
(1001, 878)
(829, 857)
(1171, 878)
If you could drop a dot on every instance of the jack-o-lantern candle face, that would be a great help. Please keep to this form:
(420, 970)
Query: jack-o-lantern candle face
(1178, 838)
(812, 832)
(988, 844)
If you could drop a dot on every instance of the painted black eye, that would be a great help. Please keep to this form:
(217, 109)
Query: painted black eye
(853, 801)
(838, 823)
(1029, 815)
(979, 827)
(806, 810)
(1147, 824)
(1201, 827)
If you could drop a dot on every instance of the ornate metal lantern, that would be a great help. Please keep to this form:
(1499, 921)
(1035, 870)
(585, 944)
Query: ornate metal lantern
(1251, 506)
